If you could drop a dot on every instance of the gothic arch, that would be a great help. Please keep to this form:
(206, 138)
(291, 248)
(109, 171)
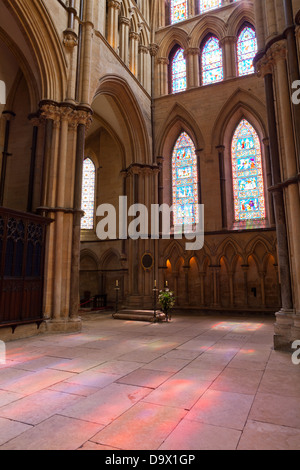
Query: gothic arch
(179, 120)
(258, 241)
(174, 36)
(43, 62)
(173, 253)
(89, 254)
(212, 25)
(225, 246)
(241, 14)
(127, 105)
(107, 257)
(241, 104)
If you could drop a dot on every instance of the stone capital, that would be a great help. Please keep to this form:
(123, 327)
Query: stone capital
(264, 66)
(124, 20)
(163, 60)
(115, 4)
(70, 38)
(278, 51)
(153, 49)
(192, 51)
(134, 36)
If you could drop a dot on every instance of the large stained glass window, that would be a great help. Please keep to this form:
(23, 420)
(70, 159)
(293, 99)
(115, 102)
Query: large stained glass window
(185, 182)
(179, 10)
(247, 173)
(246, 50)
(206, 5)
(88, 194)
(212, 62)
(178, 71)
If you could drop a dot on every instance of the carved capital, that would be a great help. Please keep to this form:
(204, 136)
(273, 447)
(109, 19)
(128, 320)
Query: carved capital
(264, 66)
(278, 51)
(115, 4)
(153, 49)
(70, 38)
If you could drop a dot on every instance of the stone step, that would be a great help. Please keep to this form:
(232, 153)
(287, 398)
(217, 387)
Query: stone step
(139, 315)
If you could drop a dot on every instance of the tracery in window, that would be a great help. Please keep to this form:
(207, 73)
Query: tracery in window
(247, 173)
(185, 182)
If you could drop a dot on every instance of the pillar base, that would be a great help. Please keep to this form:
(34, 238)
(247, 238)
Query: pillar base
(283, 329)
(63, 326)
(295, 334)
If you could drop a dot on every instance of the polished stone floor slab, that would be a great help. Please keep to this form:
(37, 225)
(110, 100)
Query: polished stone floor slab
(197, 383)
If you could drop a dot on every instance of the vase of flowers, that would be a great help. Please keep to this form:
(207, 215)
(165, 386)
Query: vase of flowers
(167, 301)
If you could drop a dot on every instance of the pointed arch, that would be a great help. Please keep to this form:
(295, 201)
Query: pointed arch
(130, 113)
(212, 25)
(43, 62)
(180, 119)
(173, 37)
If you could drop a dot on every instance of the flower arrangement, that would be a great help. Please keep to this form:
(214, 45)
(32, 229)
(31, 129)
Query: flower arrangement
(167, 301)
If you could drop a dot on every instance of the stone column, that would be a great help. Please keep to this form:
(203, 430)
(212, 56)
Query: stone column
(266, 143)
(70, 43)
(192, 66)
(113, 23)
(245, 269)
(143, 69)
(202, 297)
(124, 39)
(83, 119)
(228, 45)
(163, 76)
(289, 162)
(262, 276)
(283, 317)
(293, 67)
(8, 117)
(270, 20)
(133, 52)
(87, 53)
(221, 150)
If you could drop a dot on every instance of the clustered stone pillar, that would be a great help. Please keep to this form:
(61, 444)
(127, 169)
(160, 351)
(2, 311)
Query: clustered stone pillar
(278, 63)
(141, 188)
(113, 23)
(61, 201)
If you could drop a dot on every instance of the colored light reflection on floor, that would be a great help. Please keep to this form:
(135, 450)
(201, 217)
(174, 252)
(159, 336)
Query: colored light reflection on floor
(236, 326)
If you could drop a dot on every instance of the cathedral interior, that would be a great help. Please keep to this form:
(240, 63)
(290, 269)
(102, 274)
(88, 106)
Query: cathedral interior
(182, 103)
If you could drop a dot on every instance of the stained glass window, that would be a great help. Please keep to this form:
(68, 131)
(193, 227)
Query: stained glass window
(212, 62)
(206, 5)
(246, 50)
(178, 72)
(88, 194)
(247, 172)
(179, 10)
(185, 182)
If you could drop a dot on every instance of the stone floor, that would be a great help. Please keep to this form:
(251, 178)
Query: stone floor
(195, 383)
